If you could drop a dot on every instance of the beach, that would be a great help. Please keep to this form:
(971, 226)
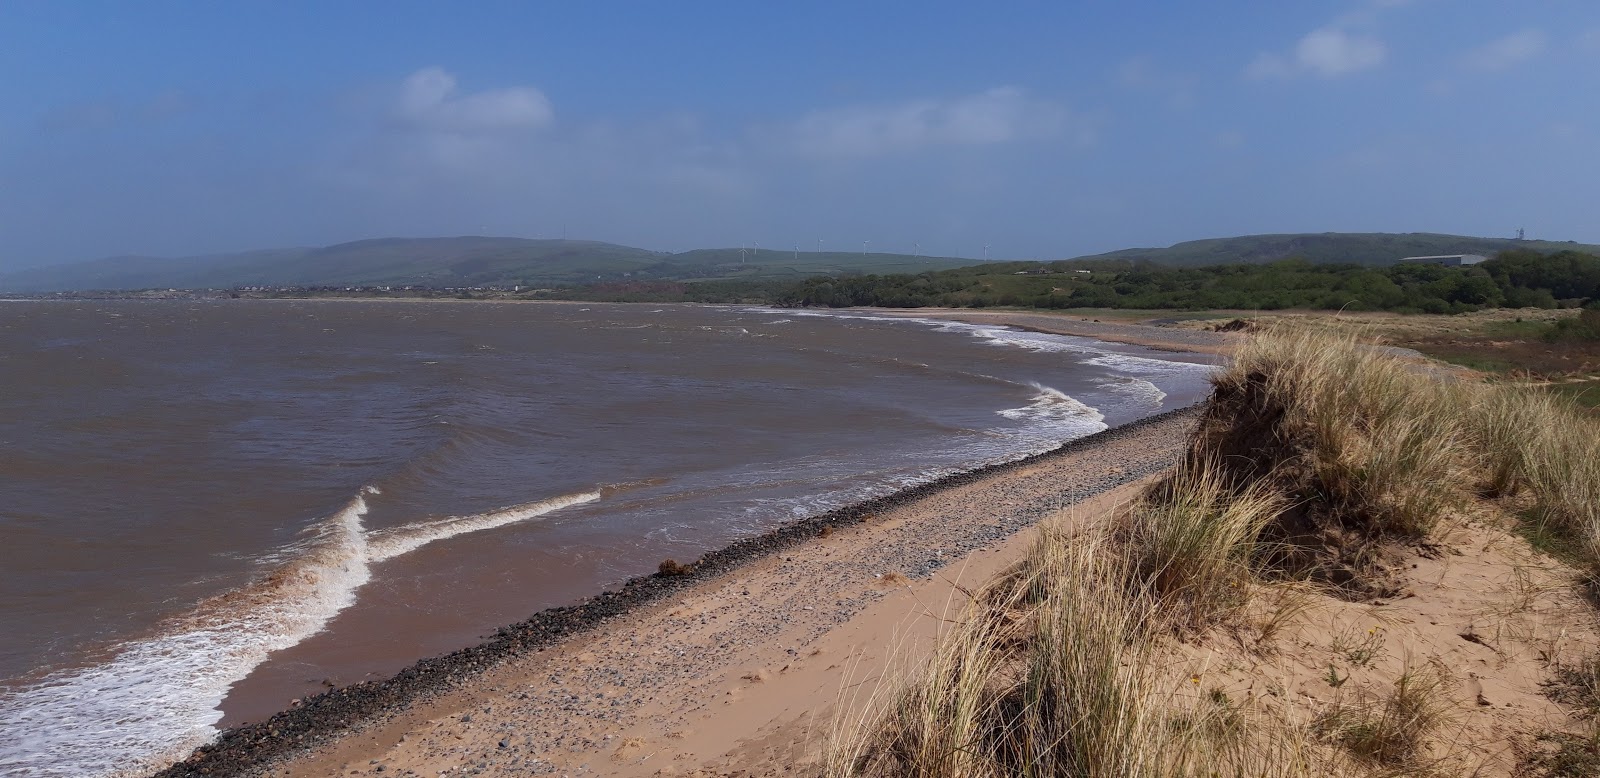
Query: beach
(358, 486)
(492, 487)
(747, 664)
(737, 667)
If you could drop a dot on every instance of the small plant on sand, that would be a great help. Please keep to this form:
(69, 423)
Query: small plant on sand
(1391, 730)
(1358, 647)
(1578, 685)
(1563, 755)
(1333, 678)
(1287, 603)
(671, 567)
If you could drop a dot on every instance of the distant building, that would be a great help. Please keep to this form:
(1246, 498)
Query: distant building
(1448, 260)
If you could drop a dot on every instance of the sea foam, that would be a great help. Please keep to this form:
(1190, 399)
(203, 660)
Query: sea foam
(1053, 408)
(159, 697)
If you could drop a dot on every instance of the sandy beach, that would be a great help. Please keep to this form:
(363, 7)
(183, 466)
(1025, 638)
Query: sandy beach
(744, 672)
(739, 668)
(743, 665)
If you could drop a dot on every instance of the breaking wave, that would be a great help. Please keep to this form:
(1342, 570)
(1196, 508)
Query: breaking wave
(159, 697)
(1138, 389)
(1058, 413)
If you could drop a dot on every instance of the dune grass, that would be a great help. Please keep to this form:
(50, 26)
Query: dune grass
(1064, 666)
(1059, 669)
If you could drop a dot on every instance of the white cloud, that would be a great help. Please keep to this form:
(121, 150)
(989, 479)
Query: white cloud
(429, 99)
(1332, 52)
(1328, 52)
(996, 116)
(1503, 53)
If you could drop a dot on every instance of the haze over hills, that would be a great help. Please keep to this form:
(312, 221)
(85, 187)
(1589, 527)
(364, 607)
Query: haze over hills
(460, 261)
(491, 261)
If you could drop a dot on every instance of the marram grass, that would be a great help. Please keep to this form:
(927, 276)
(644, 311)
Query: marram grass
(1060, 668)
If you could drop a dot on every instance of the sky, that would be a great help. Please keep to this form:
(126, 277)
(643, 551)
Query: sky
(1035, 129)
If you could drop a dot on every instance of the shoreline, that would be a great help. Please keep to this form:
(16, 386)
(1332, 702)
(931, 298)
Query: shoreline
(1158, 338)
(323, 719)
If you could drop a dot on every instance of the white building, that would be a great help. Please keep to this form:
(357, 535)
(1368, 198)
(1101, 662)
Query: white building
(1448, 260)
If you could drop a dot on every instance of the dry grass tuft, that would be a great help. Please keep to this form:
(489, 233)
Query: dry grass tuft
(1391, 730)
(1058, 667)
(1578, 685)
(1194, 544)
(1345, 425)
(671, 567)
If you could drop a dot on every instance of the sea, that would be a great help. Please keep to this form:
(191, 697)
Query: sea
(211, 508)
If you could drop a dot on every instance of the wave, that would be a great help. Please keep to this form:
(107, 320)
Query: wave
(159, 697)
(1140, 390)
(390, 543)
(1058, 413)
(1005, 335)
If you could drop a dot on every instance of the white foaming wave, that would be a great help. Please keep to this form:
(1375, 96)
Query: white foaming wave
(159, 698)
(1127, 363)
(1138, 389)
(390, 543)
(1001, 335)
(1056, 410)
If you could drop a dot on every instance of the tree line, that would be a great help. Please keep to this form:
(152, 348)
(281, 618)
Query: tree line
(1517, 278)
(1511, 279)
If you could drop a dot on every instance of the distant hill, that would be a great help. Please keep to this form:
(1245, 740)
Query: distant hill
(1361, 248)
(487, 261)
(463, 261)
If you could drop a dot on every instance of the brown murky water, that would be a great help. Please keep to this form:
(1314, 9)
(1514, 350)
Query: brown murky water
(209, 507)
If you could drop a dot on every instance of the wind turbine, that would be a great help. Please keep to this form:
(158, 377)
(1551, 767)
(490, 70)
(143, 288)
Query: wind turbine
(819, 245)
(986, 252)
(863, 248)
(797, 252)
(916, 250)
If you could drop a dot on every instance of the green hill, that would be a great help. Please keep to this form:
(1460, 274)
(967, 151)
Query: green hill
(463, 261)
(1360, 248)
(488, 261)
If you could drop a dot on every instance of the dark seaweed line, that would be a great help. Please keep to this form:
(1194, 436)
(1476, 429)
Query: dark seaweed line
(318, 718)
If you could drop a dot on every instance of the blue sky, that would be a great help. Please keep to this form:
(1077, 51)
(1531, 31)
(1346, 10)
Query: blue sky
(1041, 129)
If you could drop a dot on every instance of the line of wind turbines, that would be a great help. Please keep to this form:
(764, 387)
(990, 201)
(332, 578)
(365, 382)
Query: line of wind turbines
(755, 249)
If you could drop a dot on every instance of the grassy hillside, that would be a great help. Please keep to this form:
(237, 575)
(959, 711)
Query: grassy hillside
(462, 261)
(1360, 248)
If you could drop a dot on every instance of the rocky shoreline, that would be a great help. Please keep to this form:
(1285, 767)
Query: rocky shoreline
(318, 719)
